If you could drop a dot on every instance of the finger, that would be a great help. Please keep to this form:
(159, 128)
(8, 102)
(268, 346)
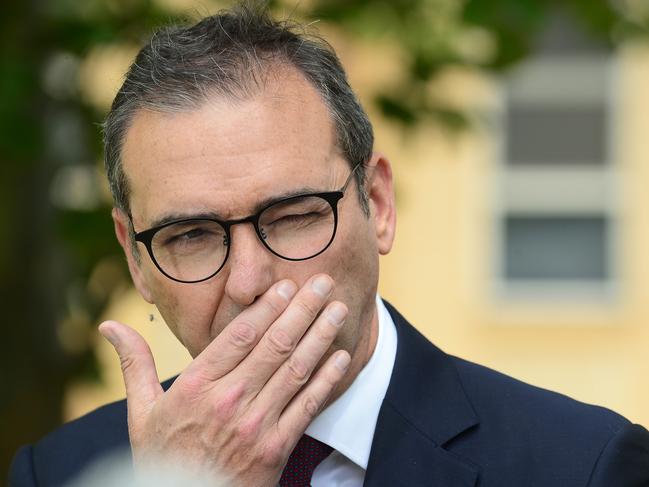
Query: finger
(138, 368)
(278, 343)
(297, 369)
(308, 403)
(241, 335)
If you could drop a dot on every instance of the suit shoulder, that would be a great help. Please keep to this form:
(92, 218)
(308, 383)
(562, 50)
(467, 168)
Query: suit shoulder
(503, 397)
(21, 470)
(510, 405)
(66, 451)
(105, 424)
(532, 436)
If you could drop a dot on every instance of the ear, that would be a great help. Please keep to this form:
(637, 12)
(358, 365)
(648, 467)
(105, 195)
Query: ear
(121, 223)
(381, 198)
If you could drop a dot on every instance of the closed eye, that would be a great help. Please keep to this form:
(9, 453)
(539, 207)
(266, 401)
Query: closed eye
(297, 218)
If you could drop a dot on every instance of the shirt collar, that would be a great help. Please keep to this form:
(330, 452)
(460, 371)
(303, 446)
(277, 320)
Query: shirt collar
(347, 425)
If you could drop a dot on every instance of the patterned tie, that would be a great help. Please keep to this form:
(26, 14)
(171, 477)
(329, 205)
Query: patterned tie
(306, 456)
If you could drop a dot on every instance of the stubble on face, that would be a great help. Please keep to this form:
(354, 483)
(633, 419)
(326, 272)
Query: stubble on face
(224, 157)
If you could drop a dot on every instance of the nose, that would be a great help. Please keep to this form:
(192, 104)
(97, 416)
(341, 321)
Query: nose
(249, 266)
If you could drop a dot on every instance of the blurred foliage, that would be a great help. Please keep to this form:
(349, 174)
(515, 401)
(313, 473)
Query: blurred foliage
(60, 262)
(490, 35)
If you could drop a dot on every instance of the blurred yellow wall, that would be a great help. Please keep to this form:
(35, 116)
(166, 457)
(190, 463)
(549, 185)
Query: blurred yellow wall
(438, 274)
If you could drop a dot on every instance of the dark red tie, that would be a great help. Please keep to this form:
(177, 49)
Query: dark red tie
(306, 456)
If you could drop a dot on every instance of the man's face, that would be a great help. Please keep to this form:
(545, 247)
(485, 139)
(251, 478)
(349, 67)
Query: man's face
(224, 158)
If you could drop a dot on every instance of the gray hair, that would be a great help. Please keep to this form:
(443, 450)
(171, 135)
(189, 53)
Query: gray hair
(229, 54)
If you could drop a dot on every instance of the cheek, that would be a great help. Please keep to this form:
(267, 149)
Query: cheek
(357, 251)
(188, 311)
(354, 266)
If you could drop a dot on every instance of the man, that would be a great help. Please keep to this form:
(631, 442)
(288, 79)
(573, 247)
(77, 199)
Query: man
(252, 210)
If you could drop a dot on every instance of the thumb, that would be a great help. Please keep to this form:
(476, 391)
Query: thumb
(138, 368)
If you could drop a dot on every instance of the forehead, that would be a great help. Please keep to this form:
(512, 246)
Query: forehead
(226, 155)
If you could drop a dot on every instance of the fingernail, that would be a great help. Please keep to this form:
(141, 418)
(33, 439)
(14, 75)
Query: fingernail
(337, 314)
(287, 289)
(342, 361)
(322, 285)
(109, 335)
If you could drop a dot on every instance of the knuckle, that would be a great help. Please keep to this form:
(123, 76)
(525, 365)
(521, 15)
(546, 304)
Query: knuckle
(248, 430)
(325, 333)
(307, 308)
(274, 305)
(228, 402)
(272, 455)
(310, 405)
(279, 343)
(191, 384)
(241, 334)
(298, 371)
(331, 377)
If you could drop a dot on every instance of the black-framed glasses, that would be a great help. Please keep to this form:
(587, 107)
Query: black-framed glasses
(295, 228)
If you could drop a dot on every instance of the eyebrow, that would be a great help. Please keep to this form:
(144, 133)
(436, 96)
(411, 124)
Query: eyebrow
(172, 217)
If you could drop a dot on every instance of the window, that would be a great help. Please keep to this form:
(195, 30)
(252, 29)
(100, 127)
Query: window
(555, 212)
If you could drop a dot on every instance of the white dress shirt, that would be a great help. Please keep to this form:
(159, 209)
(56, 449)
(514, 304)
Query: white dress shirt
(347, 425)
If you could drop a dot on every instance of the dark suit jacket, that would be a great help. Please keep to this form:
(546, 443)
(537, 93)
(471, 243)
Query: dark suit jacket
(444, 422)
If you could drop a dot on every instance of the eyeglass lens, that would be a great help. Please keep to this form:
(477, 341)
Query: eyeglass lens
(295, 229)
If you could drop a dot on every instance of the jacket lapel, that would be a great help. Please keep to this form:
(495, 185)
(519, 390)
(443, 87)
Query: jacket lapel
(424, 408)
